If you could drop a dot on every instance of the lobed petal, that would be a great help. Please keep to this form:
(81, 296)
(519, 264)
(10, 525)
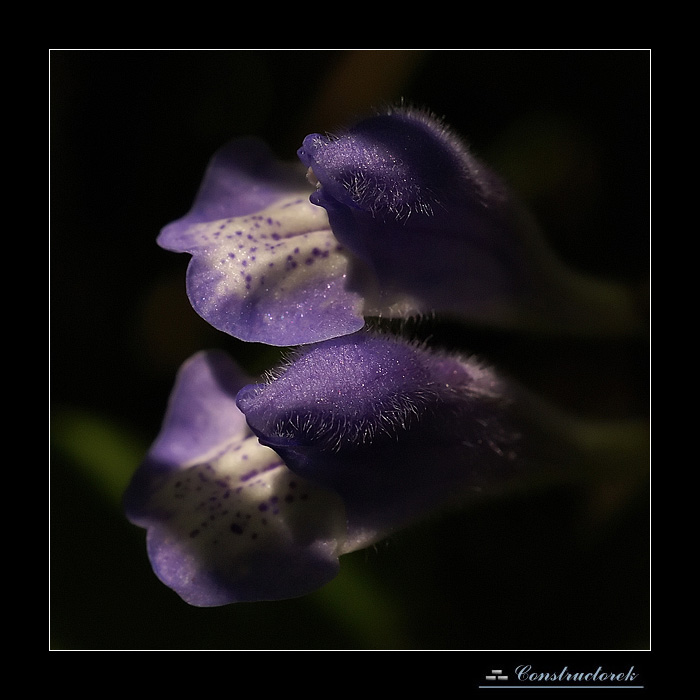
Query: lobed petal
(226, 520)
(241, 178)
(266, 267)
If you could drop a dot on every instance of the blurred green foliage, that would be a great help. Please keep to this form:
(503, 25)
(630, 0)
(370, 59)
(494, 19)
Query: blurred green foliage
(104, 454)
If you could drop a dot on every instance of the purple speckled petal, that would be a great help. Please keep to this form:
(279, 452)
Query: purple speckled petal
(266, 266)
(226, 520)
(275, 277)
(394, 429)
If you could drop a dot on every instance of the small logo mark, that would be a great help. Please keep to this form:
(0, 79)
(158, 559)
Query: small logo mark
(497, 675)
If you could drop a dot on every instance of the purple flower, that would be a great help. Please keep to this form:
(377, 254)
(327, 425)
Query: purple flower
(404, 221)
(351, 440)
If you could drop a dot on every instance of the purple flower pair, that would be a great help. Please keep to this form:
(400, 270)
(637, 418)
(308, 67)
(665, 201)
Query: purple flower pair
(253, 490)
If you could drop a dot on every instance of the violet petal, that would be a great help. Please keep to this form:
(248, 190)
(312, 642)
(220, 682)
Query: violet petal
(265, 265)
(226, 520)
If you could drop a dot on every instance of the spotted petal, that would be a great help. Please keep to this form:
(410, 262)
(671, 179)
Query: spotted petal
(226, 520)
(266, 267)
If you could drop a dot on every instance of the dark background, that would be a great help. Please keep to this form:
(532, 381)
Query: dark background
(562, 566)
